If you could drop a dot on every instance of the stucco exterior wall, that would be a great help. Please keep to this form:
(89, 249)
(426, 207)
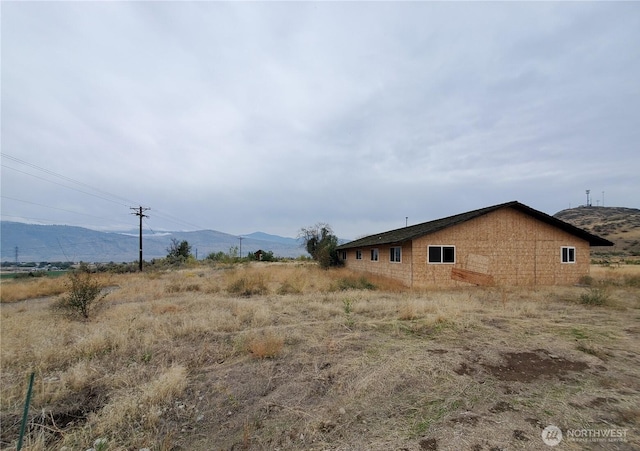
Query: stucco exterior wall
(512, 247)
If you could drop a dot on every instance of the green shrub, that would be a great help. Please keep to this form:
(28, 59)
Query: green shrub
(83, 295)
(178, 252)
(595, 296)
(632, 281)
(352, 283)
(321, 244)
(219, 257)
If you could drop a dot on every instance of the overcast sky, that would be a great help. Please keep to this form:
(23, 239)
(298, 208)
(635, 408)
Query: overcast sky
(241, 117)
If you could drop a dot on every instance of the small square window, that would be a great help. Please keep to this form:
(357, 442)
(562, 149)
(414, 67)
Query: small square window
(374, 255)
(358, 254)
(568, 254)
(395, 254)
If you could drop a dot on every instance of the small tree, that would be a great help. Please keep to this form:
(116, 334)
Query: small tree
(178, 251)
(321, 243)
(84, 293)
(233, 253)
(217, 257)
(267, 256)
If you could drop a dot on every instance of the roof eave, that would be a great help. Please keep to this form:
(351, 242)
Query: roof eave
(370, 241)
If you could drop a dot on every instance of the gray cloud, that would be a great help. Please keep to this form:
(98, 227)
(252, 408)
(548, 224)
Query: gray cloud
(273, 116)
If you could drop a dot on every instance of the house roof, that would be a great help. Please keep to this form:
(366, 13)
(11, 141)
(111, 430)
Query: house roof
(409, 233)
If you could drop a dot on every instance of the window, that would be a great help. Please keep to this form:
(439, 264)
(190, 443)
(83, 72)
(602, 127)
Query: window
(441, 254)
(395, 254)
(358, 254)
(374, 255)
(344, 255)
(568, 254)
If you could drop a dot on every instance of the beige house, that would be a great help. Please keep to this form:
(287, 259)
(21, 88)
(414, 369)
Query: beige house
(507, 244)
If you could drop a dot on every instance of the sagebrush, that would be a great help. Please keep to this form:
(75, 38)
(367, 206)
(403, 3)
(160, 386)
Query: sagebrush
(84, 294)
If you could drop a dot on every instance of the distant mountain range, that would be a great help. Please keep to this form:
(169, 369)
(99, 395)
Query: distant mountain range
(52, 243)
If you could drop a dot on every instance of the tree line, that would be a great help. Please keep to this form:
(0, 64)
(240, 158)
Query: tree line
(318, 240)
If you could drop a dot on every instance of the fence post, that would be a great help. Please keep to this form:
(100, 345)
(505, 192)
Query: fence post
(26, 411)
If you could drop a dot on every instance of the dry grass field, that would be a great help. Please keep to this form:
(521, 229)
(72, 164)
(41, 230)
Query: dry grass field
(289, 356)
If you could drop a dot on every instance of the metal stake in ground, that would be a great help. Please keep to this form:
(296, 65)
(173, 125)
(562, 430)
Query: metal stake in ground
(26, 412)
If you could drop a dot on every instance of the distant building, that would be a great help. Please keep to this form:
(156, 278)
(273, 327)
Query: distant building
(508, 244)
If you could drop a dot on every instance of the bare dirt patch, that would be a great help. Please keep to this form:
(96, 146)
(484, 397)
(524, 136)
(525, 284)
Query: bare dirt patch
(527, 366)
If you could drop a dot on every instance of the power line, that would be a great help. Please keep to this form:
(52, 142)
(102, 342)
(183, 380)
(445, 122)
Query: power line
(110, 198)
(168, 217)
(158, 214)
(63, 177)
(54, 208)
(63, 252)
(149, 227)
(64, 186)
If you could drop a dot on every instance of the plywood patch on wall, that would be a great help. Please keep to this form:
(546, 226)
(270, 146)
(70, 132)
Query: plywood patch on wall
(476, 278)
(478, 263)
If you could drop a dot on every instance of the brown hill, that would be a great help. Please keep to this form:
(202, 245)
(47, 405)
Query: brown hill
(617, 224)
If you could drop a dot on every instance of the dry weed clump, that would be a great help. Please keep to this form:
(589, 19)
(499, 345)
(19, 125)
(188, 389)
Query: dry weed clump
(247, 285)
(142, 407)
(408, 311)
(265, 345)
(291, 286)
(182, 287)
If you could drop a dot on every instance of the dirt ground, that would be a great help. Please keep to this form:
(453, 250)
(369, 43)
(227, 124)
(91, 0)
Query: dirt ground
(474, 369)
(498, 393)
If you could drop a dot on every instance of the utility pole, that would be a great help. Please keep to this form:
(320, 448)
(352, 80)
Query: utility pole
(138, 211)
(241, 238)
(16, 256)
